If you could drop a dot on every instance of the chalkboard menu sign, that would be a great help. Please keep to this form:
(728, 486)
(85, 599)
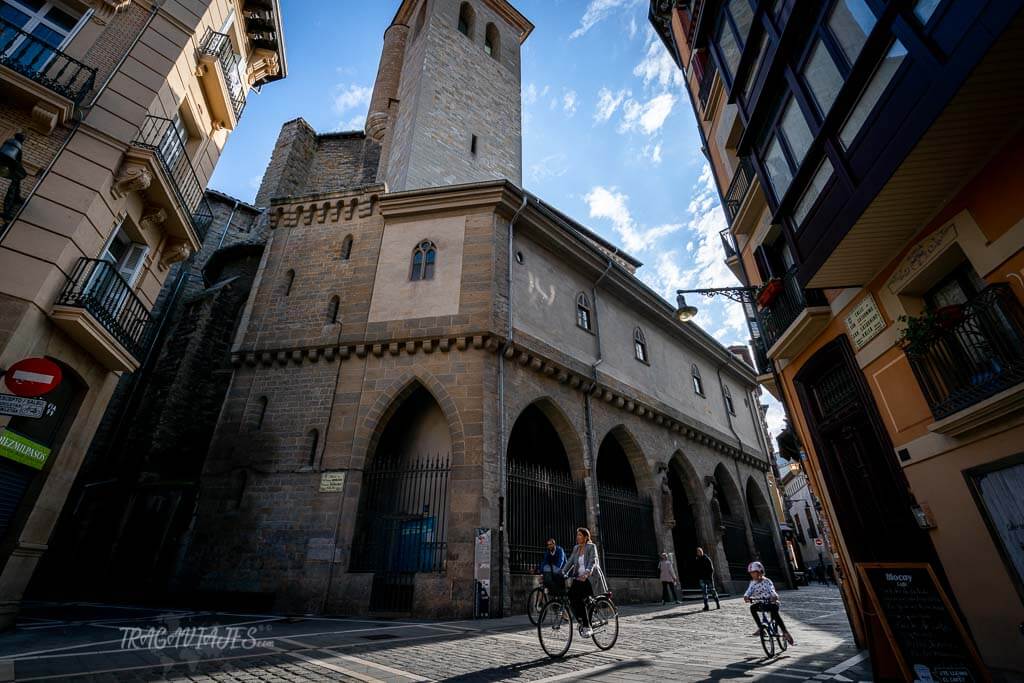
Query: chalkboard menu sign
(930, 642)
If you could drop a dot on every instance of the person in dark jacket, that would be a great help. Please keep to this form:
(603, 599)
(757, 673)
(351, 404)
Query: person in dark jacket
(552, 564)
(705, 570)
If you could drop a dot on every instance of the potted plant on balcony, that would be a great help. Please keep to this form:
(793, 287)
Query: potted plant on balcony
(921, 330)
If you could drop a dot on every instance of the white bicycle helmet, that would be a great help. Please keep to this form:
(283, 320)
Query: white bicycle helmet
(755, 566)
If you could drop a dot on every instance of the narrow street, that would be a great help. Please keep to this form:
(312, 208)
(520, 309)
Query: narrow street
(90, 642)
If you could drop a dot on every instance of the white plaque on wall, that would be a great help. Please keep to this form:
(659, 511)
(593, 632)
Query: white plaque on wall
(332, 482)
(864, 322)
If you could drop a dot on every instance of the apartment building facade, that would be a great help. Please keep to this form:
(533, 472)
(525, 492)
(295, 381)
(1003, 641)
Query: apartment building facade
(868, 156)
(115, 113)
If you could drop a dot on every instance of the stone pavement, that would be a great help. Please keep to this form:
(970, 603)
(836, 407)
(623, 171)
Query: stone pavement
(92, 642)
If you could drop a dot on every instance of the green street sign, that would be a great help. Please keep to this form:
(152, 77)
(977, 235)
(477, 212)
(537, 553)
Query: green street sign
(23, 450)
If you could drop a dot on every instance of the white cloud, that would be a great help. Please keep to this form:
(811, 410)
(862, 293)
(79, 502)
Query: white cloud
(530, 94)
(597, 11)
(657, 67)
(633, 28)
(775, 417)
(545, 91)
(605, 202)
(608, 102)
(569, 102)
(357, 122)
(551, 166)
(653, 152)
(647, 117)
(351, 97)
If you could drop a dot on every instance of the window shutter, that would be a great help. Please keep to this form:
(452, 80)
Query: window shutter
(131, 265)
(764, 268)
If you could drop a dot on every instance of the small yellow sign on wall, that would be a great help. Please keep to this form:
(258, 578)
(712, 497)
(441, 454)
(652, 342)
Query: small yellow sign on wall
(864, 322)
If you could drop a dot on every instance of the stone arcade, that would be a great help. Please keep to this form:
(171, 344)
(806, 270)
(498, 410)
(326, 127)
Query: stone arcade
(428, 350)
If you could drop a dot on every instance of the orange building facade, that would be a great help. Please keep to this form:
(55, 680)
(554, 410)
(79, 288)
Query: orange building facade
(869, 159)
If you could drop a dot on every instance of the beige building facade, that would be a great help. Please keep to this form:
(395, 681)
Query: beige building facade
(122, 110)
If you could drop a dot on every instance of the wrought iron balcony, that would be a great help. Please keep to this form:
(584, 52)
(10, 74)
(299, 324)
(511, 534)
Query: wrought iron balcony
(161, 137)
(974, 351)
(218, 46)
(728, 243)
(783, 309)
(96, 286)
(707, 78)
(738, 188)
(41, 62)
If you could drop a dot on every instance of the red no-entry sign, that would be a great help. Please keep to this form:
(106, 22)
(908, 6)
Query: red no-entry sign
(32, 377)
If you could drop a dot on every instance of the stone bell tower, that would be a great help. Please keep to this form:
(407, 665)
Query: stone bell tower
(446, 105)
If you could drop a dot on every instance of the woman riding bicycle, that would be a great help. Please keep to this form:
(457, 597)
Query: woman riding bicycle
(761, 592)
(588, 579)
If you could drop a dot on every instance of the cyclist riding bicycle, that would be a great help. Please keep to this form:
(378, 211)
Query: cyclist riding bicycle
(552, 565)
(587, 577)
(761, 592)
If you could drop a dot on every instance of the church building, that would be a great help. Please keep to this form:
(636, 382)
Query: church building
(435, 370)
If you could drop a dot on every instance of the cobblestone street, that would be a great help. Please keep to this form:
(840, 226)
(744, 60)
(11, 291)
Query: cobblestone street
(85, 642)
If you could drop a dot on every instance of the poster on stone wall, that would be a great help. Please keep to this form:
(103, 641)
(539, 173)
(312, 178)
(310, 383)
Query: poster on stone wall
(482, 571)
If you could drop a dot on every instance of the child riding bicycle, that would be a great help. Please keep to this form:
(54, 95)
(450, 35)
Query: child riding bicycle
(761, 593)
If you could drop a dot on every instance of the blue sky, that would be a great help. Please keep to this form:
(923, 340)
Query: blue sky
(609, 135)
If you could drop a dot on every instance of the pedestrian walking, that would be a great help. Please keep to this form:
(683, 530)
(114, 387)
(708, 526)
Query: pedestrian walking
(669, 578)
(706, 573)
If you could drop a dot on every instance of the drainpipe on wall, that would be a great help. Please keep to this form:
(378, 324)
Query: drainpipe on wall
(502, 454)
(587, 410)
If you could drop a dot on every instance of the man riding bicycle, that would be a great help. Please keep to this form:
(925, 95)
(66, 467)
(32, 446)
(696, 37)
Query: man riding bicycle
(761, 593)
(552, 564)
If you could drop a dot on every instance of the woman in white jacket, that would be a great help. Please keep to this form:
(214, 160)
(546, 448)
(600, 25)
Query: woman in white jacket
(587, 577)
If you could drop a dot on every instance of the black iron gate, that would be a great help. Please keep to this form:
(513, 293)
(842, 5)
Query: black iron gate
(402, 527)
(627, 533)
(543, 503)
(764, 541)
(736, 552)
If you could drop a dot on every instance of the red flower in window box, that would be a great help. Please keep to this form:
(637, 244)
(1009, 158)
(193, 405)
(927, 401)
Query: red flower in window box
(768, 293)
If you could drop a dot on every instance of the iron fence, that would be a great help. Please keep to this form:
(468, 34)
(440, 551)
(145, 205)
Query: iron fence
(542, 504)
(629, 543)
(764, 541)
(219, 45)
(36, 59)
(738, 188)
(734, 540)
(96, 286)
(778, 315)
(976, 354)
(160, 136)
(403, 518)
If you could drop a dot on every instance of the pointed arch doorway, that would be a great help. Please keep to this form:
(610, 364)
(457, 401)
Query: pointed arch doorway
(686, 535)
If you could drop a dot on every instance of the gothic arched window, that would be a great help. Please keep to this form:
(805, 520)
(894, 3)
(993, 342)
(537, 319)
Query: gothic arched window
(466, 18)
(492, 41)
(423, 259)
(260, 412)
(640, 345)
(583, 311)
(346, 248)
(289, 279)
(698, 383)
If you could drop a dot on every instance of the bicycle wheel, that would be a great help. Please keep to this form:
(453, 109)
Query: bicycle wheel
(783, 643)
(534, 604)
(554, 628)
(604, 621)
(767, 639)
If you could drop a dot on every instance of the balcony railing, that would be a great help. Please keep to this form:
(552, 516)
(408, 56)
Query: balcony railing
(160, 136)
(96, 286)
(976, 352)
(218, 45)
(728, 243)
(35, 59)
(738, 188)
(786, 307)
(707, 78)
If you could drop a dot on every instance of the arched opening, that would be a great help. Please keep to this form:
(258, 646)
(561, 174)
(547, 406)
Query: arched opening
(629, 542)
(682, 483)
(544, 500)
(730, 511)
(421, 20)
(401, 528)
(466, 19)
(289, 280)
(492, 41)
(761, 522)
(332, 310)
(346, 248)
(259, 412)
(312, 444)
(424, 257)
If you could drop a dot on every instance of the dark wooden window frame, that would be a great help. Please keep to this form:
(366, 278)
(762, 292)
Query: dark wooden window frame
(971, 477)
